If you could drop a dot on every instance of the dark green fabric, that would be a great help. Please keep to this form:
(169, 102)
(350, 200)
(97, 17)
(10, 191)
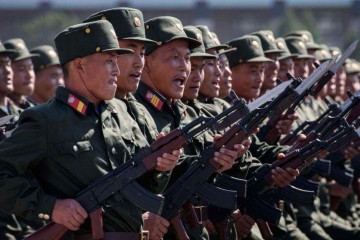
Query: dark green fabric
(194, 32)
(297, 47)
(20, 51)
(267, 41)
(85, 39)
(47, 57)
(127, 22)
(209, 40)
(67, 152)
(248, 49)
(165, 29)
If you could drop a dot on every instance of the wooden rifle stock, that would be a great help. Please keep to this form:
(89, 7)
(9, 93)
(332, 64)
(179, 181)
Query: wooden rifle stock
(222, 229)
(179, 229)
(264, 229)
(51, 231)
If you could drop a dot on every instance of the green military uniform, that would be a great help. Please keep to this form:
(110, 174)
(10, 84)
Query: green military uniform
(20, 52)
(73, 143)
(12, 227)
(167, 116)
(128, 24)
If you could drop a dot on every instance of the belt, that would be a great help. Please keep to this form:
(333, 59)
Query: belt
(201, 212)
(144, 235)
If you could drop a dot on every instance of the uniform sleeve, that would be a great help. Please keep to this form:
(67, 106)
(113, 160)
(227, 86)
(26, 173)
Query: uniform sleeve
(264, 152)
(20, 154)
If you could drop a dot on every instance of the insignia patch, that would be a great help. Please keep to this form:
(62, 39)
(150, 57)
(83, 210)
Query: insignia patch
(52, 53)
(179, 26)
(306, 38)
(154, 100)
(199, 37)
(137, 22)
(20, 45)
(210, 35)
(255, 44)
(301, 45)
(216, 40)
(271, 38)
(75, 103)
(280, 45)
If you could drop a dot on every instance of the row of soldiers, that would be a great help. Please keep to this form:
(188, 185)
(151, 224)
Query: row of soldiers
(128, 83)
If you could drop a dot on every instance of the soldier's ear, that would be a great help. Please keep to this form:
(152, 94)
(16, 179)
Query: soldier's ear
(79, 64)
(146, 64)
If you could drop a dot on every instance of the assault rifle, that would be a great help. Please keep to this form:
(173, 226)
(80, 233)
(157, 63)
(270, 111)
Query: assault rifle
(122, 179)
(271, 132)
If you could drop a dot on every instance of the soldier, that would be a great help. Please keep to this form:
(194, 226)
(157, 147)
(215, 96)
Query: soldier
(6, 84)
(286, 64)
(272, 52)
(24, 75)
(167, 67)
(352, 69)
(129, 27)
(75, 139)
(48, 74)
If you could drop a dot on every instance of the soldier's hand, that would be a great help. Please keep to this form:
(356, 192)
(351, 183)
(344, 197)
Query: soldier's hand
(225, 157)
(243, 147)
(156, 225)
(69, 213)
(167, 161)
(243, 223)
(283, 177)
(284, 125)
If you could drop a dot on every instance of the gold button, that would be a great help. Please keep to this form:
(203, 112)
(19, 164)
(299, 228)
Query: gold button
(98, 49)
(113, 151)
(87, 30)
(46, 217)
(103, 18)
(41, 215)
(75, 148)
(147, 27)
(159, 43)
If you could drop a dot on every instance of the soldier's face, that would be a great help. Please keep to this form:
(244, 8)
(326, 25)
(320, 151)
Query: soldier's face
(6, 75)
(99, 74)
(225, 78)
(352, 82)
(271, 71)
(310, 63)
(168, 68)
(210, 86)
(195, 79)
(131, 66)
(301, 68)
(47, 80)
(340, 81)
(24, 77)
(247, 79)
(286, 66)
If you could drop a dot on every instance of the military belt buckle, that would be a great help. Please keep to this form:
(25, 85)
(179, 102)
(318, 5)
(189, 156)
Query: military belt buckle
(144, 235)
(200, 213)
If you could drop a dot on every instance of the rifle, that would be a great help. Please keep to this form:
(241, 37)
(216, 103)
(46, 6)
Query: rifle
(122, 179)
(328, 126)
(272, 133)
(194, 180)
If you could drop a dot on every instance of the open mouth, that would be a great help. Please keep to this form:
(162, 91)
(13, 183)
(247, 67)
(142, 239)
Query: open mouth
(136, 75)
(179, 82)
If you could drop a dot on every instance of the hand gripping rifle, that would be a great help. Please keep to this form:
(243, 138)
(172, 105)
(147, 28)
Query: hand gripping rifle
(329, 125)
(194, 180)
(313, 89)
(121, 181)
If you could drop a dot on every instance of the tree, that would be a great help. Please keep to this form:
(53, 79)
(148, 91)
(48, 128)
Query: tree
(44, 28)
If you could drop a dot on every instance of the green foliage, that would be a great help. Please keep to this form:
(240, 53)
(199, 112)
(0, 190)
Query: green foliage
(44, 28)
(292, 22)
